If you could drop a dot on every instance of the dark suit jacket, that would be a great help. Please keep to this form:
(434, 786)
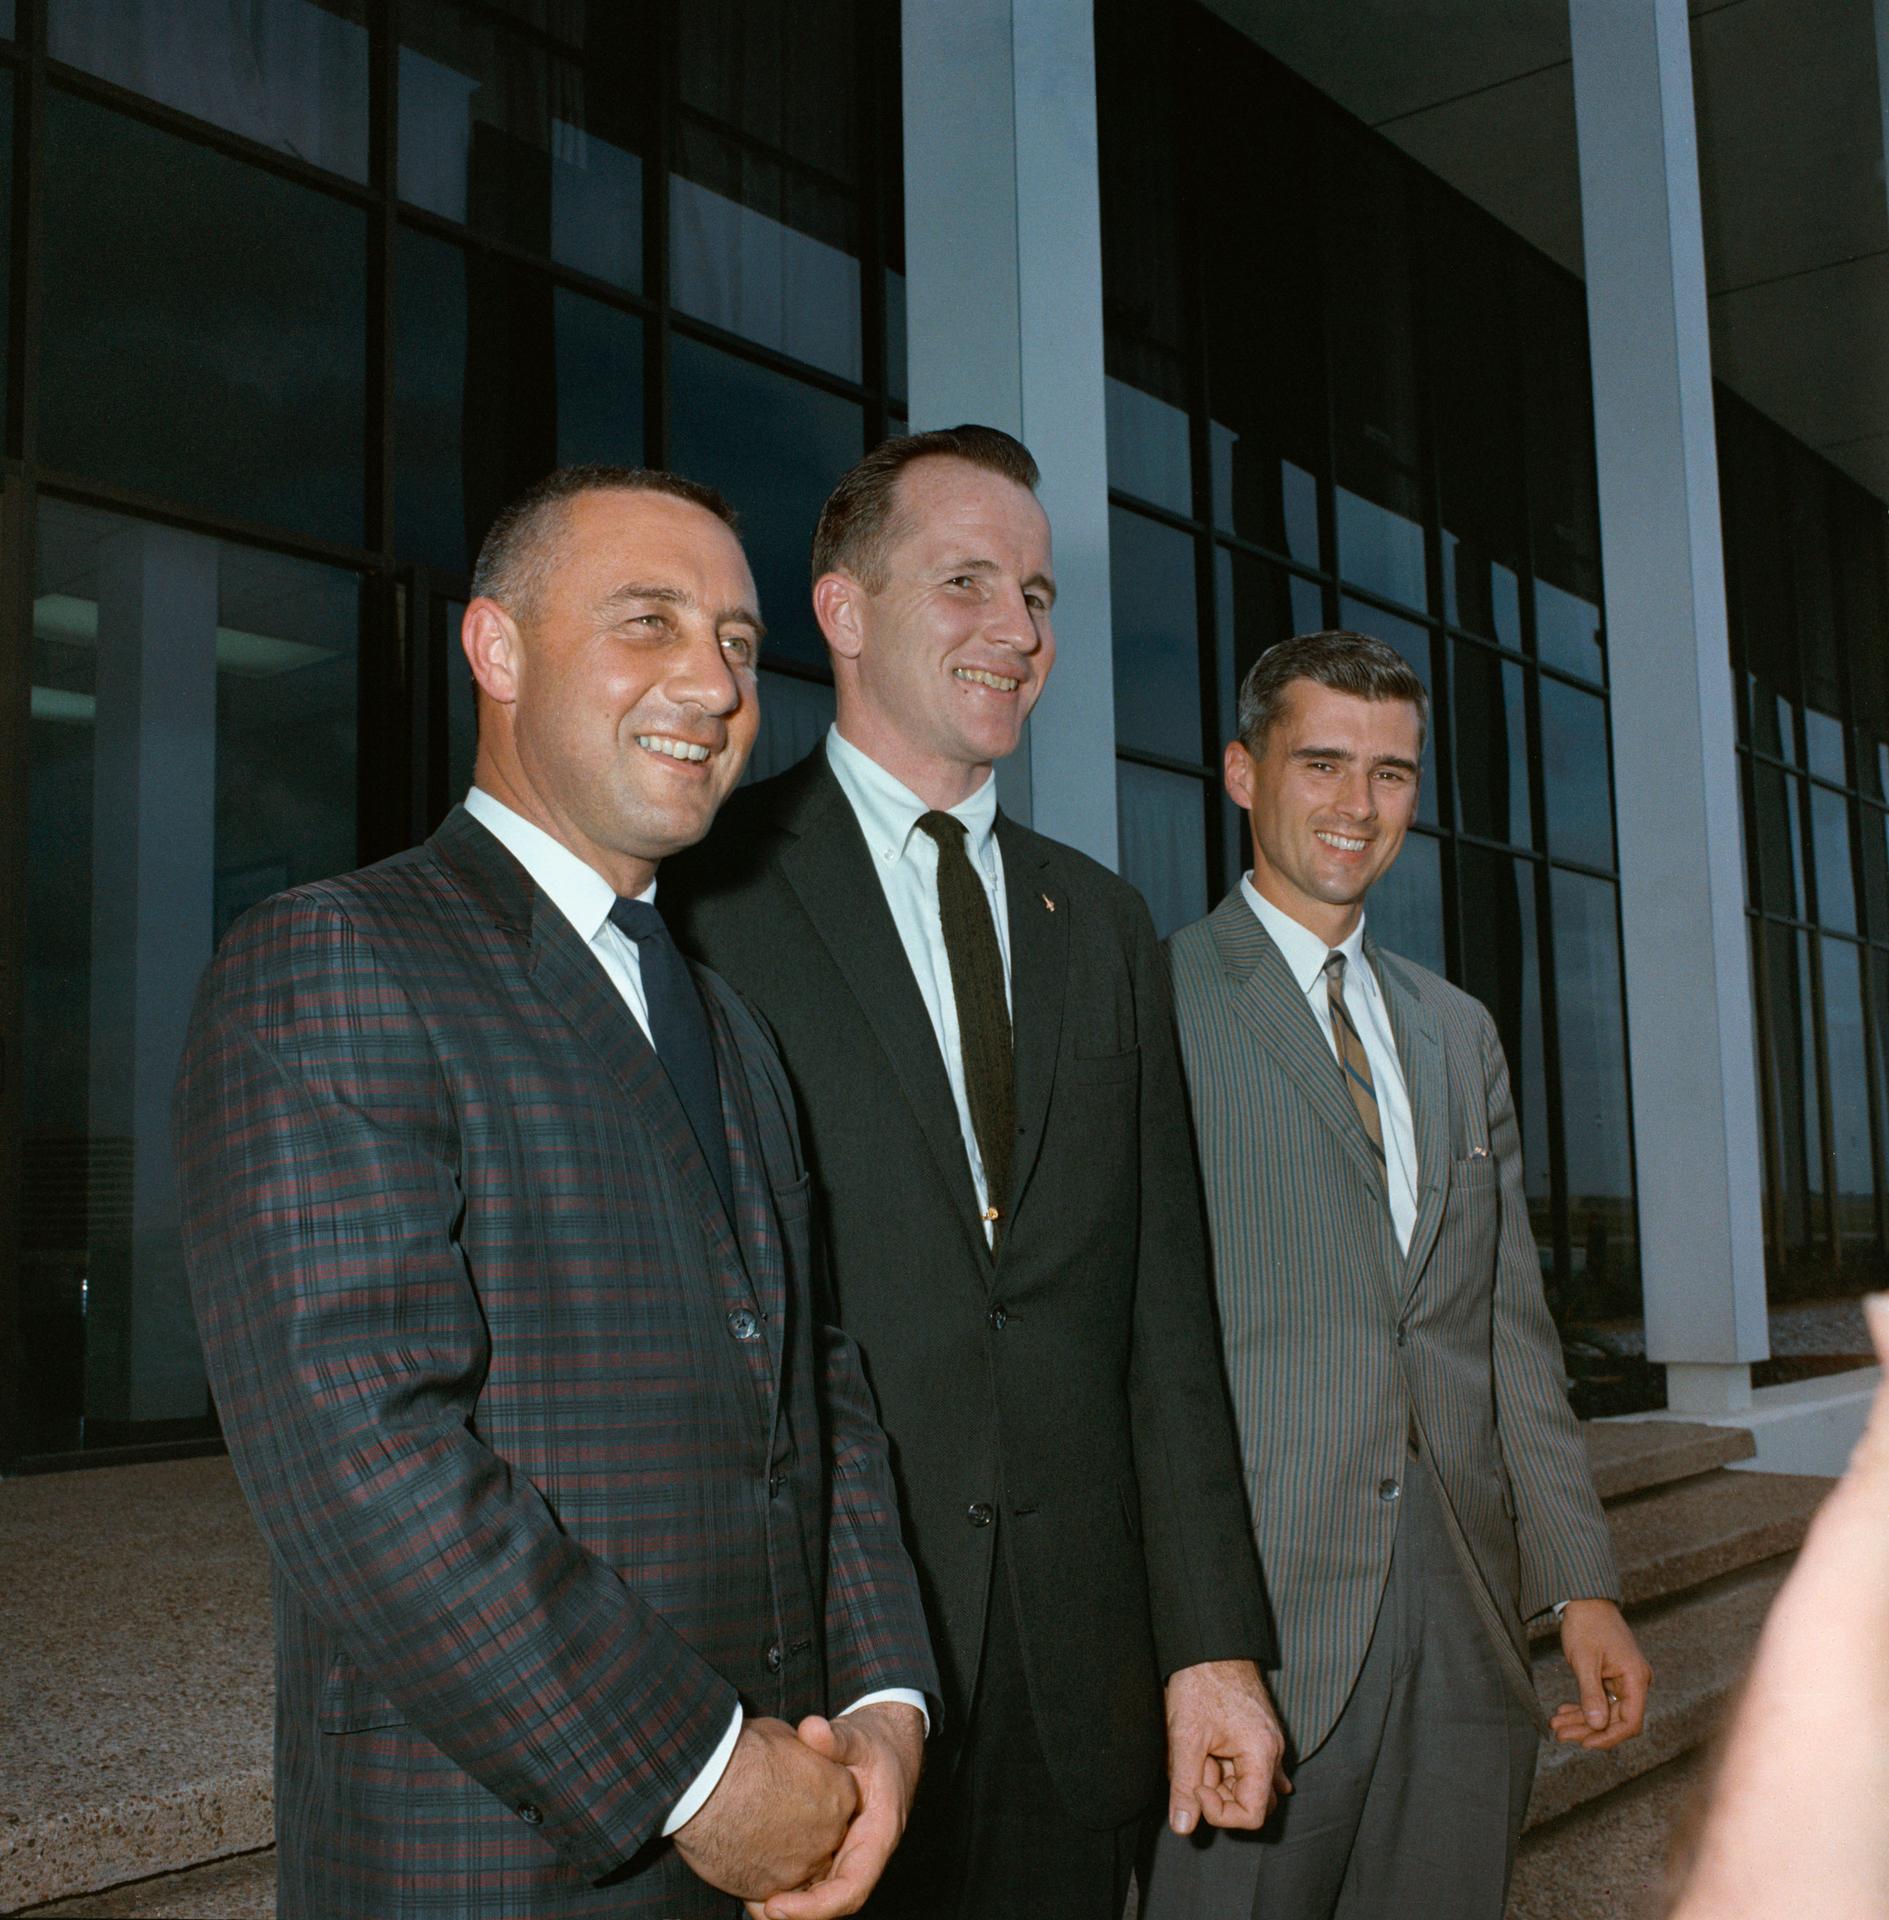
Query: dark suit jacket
(553, 1459)
(1336, 1339)
(1073, 1388)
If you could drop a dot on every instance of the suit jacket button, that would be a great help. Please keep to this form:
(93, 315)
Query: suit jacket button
(530, 1814)
(1403, 1336)
(1388, 1490)
(742, 1324)
(998, 1317)
(978, 1513)
(774, 1658)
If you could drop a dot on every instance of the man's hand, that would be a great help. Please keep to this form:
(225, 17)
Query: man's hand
(776, 1818)
(1610, 1672)
(883, 1747)
(1226, 1749)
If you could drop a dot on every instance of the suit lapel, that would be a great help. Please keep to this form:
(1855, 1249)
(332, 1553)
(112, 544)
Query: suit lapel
(1039, 972)
(1420, 1051)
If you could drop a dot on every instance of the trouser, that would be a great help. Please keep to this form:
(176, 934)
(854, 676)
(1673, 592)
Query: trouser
(1411, 1809)
(989, 1837)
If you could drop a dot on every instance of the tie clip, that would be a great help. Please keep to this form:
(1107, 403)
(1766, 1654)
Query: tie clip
(993, 1213)
(1049, 903)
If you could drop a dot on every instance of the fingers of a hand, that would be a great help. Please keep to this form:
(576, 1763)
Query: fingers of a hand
(1594, 1705)
(1187, 1781)
(824, 1736)
(855, 1872)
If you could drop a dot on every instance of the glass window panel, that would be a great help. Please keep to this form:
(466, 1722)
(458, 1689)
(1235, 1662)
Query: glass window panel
(1796, 1162)
(795, 715)
(201, 317)
(1259, 605)
(1491, 746)
(499, 133)
(1813, 608)
(291, 75)
(1781, 879)
(1405, 911)
(1157, 637)
(462, 707)
(1595, 1129)
(1567, 630)
(1875, 825)
(1413, 642)
(1148, 452)
(1502, 970)
(1380, 550)
(775, 448)
(498, 377)
(1830, 836)
(896, 345)
(1574, 774)
(1863, 613)
(6, 232)
(1758, 572)
(1878, 964)
(191, 751)
(1848, 1055)
(1163, 846)
(6, 18)
(1481, 594)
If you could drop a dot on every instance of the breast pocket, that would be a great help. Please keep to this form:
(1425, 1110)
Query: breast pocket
(1102, 1069)
(351, 1704)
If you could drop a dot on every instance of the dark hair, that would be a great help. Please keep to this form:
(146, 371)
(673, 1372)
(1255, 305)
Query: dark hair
(861, 523)
(520, 547)
(1353, 663)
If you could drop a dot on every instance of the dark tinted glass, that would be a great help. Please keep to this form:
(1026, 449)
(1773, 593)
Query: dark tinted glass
(775, 448)
(6, 18)
(1874, 825)
(795, 715)
(1830, 836)
(6, 230)
(535, 145)
(1796, 1146)
(1157, 637)
(1758, 574)
(204, 328)
(1491, 746)
(499, 376)
(1814, 612)
(1574, 774)
(291, 75)
(1595, 1128)
(1260, 605)
(1864, 613)
(1850, 1144)
(1413, 642)
(1780, 840)
(1405, 910)
(1163, 850)
(1501, 968)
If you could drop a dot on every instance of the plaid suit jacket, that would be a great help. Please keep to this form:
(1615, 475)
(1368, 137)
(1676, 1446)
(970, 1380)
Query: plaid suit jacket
(555, 1461)
(1334, 1339)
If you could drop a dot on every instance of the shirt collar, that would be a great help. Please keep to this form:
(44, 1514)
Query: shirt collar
(575, 888)
(1304, 951)
(889, 810)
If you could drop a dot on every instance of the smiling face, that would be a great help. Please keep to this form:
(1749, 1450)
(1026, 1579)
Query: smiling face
(1329, 798)
(620, 711)
(938, 669)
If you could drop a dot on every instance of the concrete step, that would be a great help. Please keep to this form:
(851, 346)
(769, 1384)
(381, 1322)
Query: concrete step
(1606, 1861)
(1630, 1455)
(1699, 1646)
(1680, 1535)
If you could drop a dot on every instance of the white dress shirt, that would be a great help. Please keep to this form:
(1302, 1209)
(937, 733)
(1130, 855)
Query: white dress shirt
(906, 862)
(1305, 954)
(584, 897)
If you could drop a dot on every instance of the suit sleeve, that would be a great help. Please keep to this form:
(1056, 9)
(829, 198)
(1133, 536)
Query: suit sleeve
(1565, 1549)
(317, 1158)
(1203, 1577)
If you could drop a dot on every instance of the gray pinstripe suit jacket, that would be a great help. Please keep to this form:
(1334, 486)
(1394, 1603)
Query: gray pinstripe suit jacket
(1333, 1339)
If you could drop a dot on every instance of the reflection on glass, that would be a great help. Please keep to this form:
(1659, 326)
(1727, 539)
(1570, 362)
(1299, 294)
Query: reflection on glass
(1796, 1144)
(1163, 851)
(498, 377)
(1258, 606)
(1874, 825)
(1380, 550)
(205, 327)
(1574, 774)
(1601, 1219)
(795, 715)
(1157, 637)
(191, 751)
(288, 74)
(1481, 594)
(1148, 450)
(1781, 879)
(1850, 1144)
(1497, 896)
(1830, 837)
(1823, 745)
(527, 145)
(1491, 746)
(1567, 631)
(1405, 912)
(775, 448)
(1413, 642)
(6, 18)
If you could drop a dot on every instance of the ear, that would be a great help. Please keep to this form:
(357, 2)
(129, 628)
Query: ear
(838, 605)
(493, 650)
(1236, 768)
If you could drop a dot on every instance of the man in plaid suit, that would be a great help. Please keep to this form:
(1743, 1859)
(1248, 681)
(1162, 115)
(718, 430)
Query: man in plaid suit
(498, 1235)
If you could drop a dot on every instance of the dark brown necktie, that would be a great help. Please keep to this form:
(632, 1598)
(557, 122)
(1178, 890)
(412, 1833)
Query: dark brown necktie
(977, 989)
(1353, 1060)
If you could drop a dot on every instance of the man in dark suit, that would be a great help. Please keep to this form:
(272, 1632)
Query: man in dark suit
(1419, 1487)
(977, 1026)
(498, 1235)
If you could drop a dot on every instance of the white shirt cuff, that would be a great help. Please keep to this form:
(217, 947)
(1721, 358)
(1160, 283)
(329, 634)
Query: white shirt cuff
(706, 1781)
(902, 1696)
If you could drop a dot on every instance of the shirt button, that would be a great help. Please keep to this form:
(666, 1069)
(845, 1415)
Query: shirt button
(978, 1513)
(1388, 1490)
(999, 1317)
(775, 1481)
(774, 1658)
(742, 1324)
(529, 1814)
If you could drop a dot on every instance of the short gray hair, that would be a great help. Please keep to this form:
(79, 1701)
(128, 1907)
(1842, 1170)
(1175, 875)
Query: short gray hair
(1353, 663)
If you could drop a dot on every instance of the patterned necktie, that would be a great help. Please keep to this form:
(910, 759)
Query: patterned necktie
(977, 989)
(1354, 1061)
(679, 1027)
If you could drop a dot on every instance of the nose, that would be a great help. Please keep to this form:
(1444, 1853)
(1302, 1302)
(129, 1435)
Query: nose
(1011, 623)
(703, 676)
(1358, 799)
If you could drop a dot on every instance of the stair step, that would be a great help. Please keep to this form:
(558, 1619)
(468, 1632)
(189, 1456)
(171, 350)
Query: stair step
(1607, 1859)
(1699, 1648)
(1630, 1455)
(1678, 1536)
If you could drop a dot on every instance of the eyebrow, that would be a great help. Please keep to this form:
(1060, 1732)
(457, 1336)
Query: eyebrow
(634, 590)
(1345, 754)
(1042, 580)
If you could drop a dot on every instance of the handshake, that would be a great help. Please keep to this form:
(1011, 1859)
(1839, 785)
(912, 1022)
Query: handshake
(803, 1821)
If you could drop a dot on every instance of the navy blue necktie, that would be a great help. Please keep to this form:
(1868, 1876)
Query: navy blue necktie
(679, 1027)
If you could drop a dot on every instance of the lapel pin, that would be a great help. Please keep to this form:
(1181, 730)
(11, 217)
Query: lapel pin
(1049, 903)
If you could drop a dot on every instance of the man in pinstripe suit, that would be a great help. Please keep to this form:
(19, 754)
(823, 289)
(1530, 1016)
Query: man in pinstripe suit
(1418, 1485)
(498, 1235)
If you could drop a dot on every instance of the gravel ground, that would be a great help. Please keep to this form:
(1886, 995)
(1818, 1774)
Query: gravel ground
(1808, 1326)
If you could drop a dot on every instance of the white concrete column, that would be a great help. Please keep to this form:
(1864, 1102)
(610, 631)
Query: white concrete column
(1689, 996)
(153, 880)
(1003, 260)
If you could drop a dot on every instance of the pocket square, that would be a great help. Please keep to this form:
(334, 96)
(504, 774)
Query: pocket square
(1477, 1153)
